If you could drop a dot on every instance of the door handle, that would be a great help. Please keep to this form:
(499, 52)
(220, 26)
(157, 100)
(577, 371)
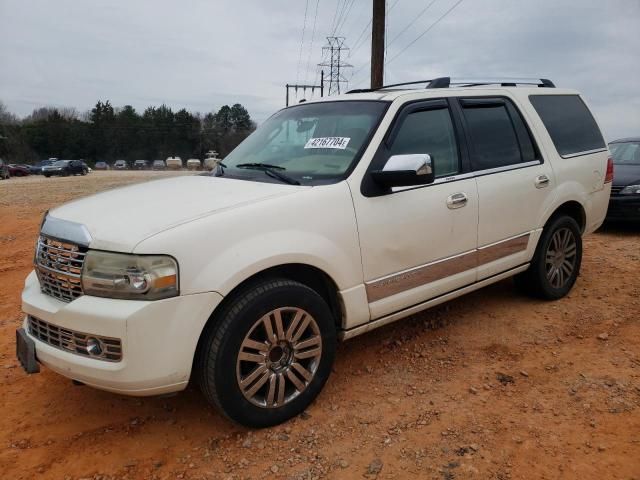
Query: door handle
(542, 181)
(456, 200)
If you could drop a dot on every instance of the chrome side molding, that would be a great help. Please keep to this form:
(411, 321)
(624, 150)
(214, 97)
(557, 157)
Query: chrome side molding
(446, 267)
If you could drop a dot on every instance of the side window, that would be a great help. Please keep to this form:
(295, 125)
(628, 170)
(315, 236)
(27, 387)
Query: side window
(429, 131)
(499, 137)
(569, 122)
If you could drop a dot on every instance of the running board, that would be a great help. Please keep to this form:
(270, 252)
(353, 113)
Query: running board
(380, 322)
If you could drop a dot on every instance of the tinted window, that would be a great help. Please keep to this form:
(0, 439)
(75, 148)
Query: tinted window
(494, 140)
(429, 131)
(569, 123)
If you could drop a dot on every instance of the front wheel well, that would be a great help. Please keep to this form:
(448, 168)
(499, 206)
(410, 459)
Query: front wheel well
(572, 209)
(308, 275)
(312, 277)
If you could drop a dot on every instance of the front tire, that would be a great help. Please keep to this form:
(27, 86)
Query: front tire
(556, 263)
(268, 353)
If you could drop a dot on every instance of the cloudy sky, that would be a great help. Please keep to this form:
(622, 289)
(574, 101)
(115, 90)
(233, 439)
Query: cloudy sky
(201, 54)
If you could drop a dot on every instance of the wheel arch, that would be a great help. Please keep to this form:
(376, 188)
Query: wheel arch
(311, 276)
(573, 209)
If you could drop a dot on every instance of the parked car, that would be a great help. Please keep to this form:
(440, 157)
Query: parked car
(194, 164)
(140, 165)
(65, 168)
(378, 205)
(158, 165)
(102, 166)
(624, 203)
(173, 163)
(19, 170)
(120, 165)
(37, 168)
(4, 170)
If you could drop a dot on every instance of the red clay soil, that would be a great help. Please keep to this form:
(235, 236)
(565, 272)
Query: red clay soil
(491, 385)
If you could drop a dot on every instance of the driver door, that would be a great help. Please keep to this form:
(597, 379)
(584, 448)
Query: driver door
(418, 242)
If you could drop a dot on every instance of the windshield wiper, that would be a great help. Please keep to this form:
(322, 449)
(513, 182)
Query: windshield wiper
(273, 171)
(260, 165)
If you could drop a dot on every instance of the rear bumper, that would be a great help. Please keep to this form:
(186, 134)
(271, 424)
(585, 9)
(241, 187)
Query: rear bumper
(158, 338)
(624, 208)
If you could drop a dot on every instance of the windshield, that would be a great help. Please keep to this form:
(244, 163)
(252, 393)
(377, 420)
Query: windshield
(314, 144)
(61, 163)
(625, 153)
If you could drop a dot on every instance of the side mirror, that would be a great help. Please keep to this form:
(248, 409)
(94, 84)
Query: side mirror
(405, 171)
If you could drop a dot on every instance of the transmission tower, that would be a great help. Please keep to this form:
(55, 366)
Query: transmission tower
(332, 53)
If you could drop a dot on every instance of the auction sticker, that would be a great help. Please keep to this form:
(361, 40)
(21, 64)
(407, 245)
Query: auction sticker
(328, 142)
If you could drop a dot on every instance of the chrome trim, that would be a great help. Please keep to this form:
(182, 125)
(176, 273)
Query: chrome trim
(504, 248)
(66, 230)
(456, 200)
(542, 181)
(73, 341)
(58, 265)
(586, 152)
(399, 315)
(418, 276)
(430, 272)
(419, 163)
(477, 173)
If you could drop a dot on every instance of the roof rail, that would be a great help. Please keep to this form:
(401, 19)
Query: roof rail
(446, 82)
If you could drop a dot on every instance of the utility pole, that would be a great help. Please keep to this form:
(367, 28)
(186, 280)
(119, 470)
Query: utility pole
(332, 53)
(377, 43)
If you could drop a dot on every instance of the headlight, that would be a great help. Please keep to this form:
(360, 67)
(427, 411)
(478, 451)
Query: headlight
(630, 190)
(133, 277)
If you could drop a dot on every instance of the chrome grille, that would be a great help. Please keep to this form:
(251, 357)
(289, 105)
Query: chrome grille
(59, 265)
(74, 342)
(616, 190)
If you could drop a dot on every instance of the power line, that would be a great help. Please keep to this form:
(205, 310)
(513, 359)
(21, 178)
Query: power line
(313, 34)
(304, 25)
(412, 22)
(344, 18)
(426, 31)
(335, 15)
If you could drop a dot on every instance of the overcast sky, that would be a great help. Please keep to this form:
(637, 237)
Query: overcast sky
(201, 54)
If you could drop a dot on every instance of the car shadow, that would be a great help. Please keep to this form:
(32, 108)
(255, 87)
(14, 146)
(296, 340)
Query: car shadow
(620, 228)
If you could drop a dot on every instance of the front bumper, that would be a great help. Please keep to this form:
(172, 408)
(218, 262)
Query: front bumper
(624, 207)
(159, 338)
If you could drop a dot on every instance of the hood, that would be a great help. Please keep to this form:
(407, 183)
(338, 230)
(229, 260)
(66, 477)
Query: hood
(624, 175)
(119, 219)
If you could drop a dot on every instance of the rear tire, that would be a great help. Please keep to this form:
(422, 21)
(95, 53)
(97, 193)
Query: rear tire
(556, 262)
(266, 356)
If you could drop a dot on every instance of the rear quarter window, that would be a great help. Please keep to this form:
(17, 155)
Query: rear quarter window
(569, 122)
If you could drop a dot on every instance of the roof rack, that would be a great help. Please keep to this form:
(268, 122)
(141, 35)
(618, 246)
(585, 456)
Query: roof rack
(446, 82)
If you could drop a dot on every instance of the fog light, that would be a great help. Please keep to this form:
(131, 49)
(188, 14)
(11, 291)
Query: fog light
(94, 347)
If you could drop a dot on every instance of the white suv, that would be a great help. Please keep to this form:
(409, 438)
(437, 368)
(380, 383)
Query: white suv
(334, 218)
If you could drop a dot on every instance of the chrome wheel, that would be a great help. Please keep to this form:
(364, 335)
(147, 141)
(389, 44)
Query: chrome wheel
(561, 256)
(279, 357)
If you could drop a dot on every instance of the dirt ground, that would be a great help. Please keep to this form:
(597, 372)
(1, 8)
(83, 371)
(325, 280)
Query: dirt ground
(491, 385)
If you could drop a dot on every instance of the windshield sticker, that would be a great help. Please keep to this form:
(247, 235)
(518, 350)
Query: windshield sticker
(328, 142)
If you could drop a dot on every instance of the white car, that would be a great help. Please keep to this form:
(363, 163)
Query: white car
(333, 218)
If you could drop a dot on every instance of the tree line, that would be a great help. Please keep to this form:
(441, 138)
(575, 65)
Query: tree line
(106, 133)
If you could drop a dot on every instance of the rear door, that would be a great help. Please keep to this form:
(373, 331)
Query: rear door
(514, 183)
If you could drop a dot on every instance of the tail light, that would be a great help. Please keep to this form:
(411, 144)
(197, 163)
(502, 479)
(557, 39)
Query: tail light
(608, 178)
